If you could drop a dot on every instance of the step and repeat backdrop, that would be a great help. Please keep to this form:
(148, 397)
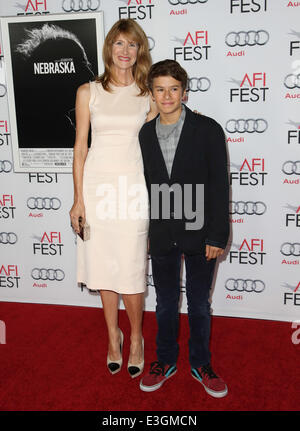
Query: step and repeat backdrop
(243, 62)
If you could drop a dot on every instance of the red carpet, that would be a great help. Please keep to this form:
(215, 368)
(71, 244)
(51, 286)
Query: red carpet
(54, 359)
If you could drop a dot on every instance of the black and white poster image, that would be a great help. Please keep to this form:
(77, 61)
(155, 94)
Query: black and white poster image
(47, 59)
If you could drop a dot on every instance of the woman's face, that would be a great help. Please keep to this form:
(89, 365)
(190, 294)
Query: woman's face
(124, 52)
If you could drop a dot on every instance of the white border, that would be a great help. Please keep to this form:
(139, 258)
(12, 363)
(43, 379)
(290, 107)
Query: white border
(98, 16)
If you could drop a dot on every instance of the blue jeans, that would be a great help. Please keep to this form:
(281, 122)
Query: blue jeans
(166, 276)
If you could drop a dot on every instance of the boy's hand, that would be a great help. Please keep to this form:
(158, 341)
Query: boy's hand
(212, 252)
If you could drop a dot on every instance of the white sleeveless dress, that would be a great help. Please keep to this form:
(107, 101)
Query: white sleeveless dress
(115, 193)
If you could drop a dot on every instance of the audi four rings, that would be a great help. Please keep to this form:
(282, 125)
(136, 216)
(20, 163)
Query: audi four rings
(291, 167)
(45, 203)
(290, 249)
(247, 285)
(5, 166)
(8, 238)
(80, 5)
(199, 84)
(250, 38)
(184, 2)
(251, 125)
(292, 81)
(249, 207)
(47, 274)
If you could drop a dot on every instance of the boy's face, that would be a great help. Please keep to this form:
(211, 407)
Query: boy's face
(167, 93)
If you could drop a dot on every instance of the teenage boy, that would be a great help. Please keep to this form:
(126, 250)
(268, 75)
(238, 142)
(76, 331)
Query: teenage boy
(183, 150)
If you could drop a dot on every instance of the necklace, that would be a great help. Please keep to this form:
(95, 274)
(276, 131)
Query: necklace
(122, 84)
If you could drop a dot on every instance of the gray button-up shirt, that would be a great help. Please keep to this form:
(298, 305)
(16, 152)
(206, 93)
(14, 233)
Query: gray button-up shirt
(168, 136)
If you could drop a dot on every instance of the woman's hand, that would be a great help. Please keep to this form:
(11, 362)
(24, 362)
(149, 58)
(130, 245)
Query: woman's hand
(77, 211)
(153, 110)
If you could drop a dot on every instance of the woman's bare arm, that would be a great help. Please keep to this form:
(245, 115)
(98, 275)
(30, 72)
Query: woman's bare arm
(80, 152)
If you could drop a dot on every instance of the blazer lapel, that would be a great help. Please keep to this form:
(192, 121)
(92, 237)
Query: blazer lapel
(157, 153)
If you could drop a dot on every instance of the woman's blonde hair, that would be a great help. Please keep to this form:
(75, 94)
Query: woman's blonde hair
(130, 29)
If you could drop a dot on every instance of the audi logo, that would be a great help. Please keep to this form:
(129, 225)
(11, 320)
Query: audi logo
(177, 2)
(290, 249)
(251, 125)
(8, 238)
(47, 274)
(80, 5)
(198, 84)
(247, 285)
(2, 90)
(290, 167)
(5, 166)
(43, 203)
(250, 38)
(249, 208)
(292, 81)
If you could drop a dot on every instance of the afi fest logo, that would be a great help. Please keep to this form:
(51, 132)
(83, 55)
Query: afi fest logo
(4, 133)
(137, 9)
(50, 244)
(7, 208)
(33, 7)
(293, 296)
(250, 173)
(194, 46)
(9, 276)
(248, 6)
(252, 88)
(292, 218)
(251, 252)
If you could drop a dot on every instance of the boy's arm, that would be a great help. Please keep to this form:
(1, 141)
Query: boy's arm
(218, 191)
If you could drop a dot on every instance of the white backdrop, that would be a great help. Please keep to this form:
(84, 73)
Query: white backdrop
(243, 60)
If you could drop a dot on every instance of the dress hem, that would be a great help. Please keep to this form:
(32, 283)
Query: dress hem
(111, 290)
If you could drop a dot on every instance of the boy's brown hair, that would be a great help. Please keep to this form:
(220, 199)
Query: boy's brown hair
(167, 68)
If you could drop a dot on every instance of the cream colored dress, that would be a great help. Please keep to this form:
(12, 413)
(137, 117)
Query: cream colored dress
(115, 194)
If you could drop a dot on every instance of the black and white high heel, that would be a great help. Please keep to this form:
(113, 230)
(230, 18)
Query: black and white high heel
(115, 366)
(136, 370)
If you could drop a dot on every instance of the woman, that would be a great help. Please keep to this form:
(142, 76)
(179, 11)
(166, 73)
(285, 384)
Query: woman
(113, 259)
